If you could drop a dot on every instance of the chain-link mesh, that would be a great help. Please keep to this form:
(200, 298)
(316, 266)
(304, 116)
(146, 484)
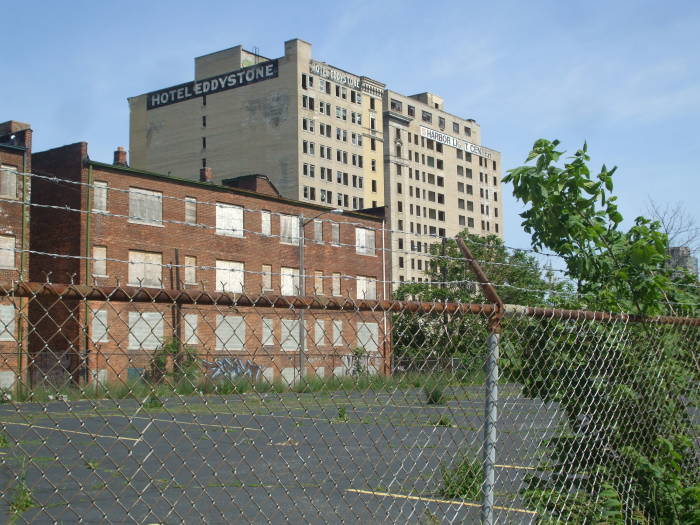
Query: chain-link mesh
(156, 406)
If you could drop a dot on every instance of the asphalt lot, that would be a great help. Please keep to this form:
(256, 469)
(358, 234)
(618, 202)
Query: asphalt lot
(259, 458)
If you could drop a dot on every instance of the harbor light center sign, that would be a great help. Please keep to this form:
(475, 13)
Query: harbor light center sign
(449, 140)
(208, 86)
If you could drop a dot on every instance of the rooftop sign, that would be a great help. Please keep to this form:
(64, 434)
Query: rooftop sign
(341, 77)
(208, 86)
(449, 140)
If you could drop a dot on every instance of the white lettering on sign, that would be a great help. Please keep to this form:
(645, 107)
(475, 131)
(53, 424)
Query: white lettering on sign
(335, 75)
(444, 138)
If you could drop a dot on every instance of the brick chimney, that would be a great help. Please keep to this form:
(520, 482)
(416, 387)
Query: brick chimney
(120, 157)
(205, 175)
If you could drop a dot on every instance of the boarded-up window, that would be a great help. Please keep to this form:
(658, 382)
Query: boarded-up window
(364, 241)
(366, 287)
(99, 261)
(99, 196)
(290, 334)
(7, 251)
(266, 277)
(190, 210)
(145, 207)
(336, 284)
(290, 281)
(368, 336)
(8, 182)
(318, 282)
(265, 223)
(145, 330)
(319, 332)
(190, 329)
(100, 326)
(229, 220)
(190, 270)
(318, 231)
(230, 332)
(145, 268)
(8, 326)
(268, 331)
(289, 229)
(337, 333)
(229, 276)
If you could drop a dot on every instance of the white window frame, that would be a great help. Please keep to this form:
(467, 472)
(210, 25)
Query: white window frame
(139, 210)
(229, 220)
(230, 276)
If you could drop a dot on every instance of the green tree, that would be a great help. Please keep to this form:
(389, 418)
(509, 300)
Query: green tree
(626, 444)
(431, 340)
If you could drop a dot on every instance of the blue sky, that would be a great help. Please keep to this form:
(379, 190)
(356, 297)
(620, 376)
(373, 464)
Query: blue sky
(625, 76)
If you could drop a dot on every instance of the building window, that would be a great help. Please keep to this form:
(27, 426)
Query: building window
(411, 111)
(396, 105)
(364, 241)
(268, 331)
(229, 276)
(190, 210)
(265, 222)
(8, 324)
(290, 284)
(470, 222)
(441, 122)
(230, 332)
(8, 181)
(190, 329)
(266, 278)
(99, 264)
(229, 220)
(318, 230)
(318, 282)
(335, 284)
(319, 332)
(462, 220)
(470, 205)
(335, 233)
(366, 287)
(467, 131)
(426, 116)
(337, 333)
(99, 194)
(145, 268)
(145, 330)
(145, 207)
(368, 336)
(290, 334)
(100, 327)
(289, 229)
(7, 251)
(190, 269)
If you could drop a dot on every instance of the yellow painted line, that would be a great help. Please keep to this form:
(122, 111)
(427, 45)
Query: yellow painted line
(70, 431)
(519, 467)
(178, 422)
(437, 500)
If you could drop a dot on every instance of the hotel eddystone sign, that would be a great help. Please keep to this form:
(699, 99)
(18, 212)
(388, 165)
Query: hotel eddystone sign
(449, 140)
(208, 86)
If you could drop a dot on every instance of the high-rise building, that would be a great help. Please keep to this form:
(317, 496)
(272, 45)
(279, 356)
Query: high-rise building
(439, 180)
(683, 258)
(313, 129)
(324, 135)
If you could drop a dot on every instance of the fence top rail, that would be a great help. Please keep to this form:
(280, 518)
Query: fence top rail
(193, 296)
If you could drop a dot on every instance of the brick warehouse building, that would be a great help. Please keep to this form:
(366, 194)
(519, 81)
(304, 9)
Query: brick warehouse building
(134, 227)
(15, 160)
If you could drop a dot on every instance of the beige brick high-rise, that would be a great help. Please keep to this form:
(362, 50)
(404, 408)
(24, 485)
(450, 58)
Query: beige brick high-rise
(324, 135)
(314, 130)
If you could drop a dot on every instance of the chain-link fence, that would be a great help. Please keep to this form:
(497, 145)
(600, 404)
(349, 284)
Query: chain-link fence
(156, 406)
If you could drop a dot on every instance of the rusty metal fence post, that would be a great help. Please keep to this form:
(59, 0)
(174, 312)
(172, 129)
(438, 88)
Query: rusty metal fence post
(491, 393)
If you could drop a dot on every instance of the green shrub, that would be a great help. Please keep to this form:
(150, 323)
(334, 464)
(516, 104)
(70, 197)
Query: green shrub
(434, 394)
(463, 479)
